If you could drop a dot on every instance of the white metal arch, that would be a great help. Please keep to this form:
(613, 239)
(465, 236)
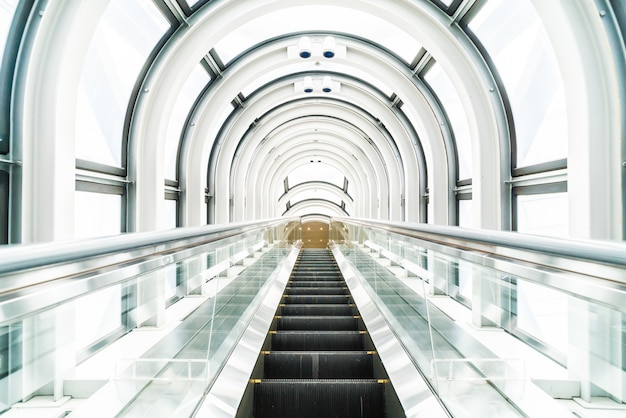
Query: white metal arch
(355, 166)
(330, 133)
(294, 158)
(471, 84)
(367, 154)
(276, 94)
(320, 185)
(315, 206)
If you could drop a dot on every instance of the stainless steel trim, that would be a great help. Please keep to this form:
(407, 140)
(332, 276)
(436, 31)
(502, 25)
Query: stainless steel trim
(224, 396)
(548, 251)
(413, 391)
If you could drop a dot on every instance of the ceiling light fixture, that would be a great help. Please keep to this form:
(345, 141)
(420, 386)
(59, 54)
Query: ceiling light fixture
(304, 47)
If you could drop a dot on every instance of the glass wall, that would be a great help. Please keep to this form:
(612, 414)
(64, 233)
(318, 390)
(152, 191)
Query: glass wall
(542, 214)
(97, 214)
(441, 85)
(124, 38)
(517, 43)
(7, 9)
(197, 80)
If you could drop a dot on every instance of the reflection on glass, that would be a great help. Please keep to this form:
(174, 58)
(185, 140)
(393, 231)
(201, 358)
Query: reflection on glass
(318, 18)
(452, 106)
(186, 97)
(100, 315)
(517, 42)
(543, 214)
(126, 33)
(542, 313)
(7, 10)
(97, 214)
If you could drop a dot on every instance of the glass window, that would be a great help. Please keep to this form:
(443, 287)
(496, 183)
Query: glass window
(7, 10)
(123, 40)
(186, 98)
(318, 18)
(192, 3)
(97, 214)
(169, 214)
(543, 214)
(466, 213)
(316, 171)
(514, 37)
(439, 82)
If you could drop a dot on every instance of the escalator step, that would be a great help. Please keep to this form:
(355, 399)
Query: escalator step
(321, 284)
(317, 341)
(319, 398)
(318, 365)
(319, 323)
(316, 299)
(313, 310)
(316, 291)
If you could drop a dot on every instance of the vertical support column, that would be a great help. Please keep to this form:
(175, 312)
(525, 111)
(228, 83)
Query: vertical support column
(151, 299)
(485, 298)
(438, 284)
(194, 278)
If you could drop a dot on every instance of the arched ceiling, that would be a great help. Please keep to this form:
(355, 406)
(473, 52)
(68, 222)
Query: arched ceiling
(417, 116)
(254, 124)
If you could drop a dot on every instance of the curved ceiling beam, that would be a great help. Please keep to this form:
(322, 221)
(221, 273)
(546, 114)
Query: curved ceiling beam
(321, 185)
(292, 158)
(386, 122)
(422, 20)
(367, 155)
(331, 134)
(315, 206)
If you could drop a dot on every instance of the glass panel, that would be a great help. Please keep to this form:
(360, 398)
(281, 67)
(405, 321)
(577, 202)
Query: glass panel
(192, 2)
(97, 214)
(543, 214)
(169, 214)
(542, 313)
(317, 172)
(7, 10)
(100, 315)
(451, 102)
(187, 96)
(126, 33)
(318, 18)
(466, 213)
(515, 38)
(465, 279)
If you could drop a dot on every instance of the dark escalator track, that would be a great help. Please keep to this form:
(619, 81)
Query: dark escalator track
(318, 360)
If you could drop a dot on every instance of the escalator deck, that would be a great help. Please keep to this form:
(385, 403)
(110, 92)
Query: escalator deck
(318, 364)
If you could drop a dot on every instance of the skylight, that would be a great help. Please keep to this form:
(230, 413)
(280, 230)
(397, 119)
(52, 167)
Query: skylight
(318, 18)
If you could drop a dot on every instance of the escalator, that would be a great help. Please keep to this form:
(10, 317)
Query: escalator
(318, 359)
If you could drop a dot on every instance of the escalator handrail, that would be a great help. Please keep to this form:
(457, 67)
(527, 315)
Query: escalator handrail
(19, 257)
(496, 242)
